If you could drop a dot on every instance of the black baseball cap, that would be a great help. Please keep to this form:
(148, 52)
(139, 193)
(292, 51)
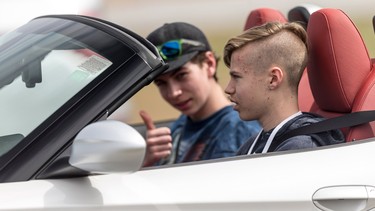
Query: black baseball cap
(189, 40)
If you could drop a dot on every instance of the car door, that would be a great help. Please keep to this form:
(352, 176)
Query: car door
(328, 178)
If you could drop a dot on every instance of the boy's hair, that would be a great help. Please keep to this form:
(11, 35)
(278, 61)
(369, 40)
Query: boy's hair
(275, 43)
(201, 57)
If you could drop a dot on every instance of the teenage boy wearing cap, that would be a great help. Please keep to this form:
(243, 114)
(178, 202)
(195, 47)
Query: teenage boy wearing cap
(208, 127)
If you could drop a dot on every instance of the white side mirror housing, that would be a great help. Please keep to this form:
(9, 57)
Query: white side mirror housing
(108, 146)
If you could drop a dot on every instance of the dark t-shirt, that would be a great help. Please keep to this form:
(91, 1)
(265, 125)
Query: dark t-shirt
(219, 135)
(296, 142)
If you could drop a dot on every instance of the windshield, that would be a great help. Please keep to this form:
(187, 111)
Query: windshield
(41, 68)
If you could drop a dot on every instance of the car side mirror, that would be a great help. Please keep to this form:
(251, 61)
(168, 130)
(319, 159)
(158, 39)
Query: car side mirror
(108, 146)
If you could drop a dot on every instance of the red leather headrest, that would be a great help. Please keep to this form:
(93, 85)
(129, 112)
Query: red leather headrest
(339, 61)
(263, 15)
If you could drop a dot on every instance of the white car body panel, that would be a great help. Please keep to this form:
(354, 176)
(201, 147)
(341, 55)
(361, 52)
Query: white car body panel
(279, 181)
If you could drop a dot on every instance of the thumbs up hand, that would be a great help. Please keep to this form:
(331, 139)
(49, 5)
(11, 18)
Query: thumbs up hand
(158, 140)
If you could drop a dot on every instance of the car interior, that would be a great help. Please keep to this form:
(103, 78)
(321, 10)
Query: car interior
(337, 50)
(329, 86)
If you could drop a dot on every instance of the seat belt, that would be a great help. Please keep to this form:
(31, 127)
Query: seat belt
(347, 120)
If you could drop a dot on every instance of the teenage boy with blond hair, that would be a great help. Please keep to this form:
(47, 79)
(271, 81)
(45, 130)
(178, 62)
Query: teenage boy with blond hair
(266, 64)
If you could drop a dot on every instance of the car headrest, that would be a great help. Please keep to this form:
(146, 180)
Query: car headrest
(263, 15)
(302, 13)
(338, 60)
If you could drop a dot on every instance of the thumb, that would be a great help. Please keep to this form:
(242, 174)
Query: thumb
(147, 120)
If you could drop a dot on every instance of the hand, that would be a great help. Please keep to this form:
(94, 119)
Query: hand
(159, 141)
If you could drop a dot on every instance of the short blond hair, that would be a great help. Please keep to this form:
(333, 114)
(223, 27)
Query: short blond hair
(284, 44)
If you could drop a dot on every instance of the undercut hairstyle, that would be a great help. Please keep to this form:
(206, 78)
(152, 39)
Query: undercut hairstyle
(274, 43)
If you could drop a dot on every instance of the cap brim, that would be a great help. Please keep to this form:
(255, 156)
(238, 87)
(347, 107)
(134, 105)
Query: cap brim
(180, 61)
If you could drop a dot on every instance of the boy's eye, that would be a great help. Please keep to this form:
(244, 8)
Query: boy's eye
(181, 75)
(234, 76)
(159, 83)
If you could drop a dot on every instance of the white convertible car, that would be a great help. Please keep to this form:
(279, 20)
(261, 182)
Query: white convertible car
(61, 76)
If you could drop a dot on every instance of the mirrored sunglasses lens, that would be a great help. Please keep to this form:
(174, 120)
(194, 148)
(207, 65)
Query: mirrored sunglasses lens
(171, 49)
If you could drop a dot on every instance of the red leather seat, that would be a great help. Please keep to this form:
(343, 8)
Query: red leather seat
(263, 15)
(340, 71)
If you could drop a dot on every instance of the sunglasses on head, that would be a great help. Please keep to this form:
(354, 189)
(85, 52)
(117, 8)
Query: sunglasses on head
(174, 48)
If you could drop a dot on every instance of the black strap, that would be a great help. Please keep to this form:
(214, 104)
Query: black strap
(348, 120)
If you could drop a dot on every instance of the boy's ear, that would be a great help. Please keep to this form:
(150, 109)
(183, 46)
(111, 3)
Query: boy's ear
(276, 76)
(211, 63)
